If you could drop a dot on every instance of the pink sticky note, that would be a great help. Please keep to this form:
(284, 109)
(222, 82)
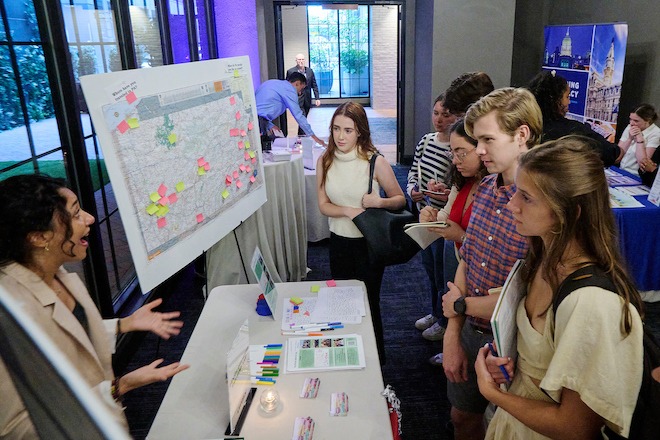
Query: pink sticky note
(254, 160)
(228, 178)
(252, 179)
(235, 174)
(250, 126)
(232, 101)
(207, 166)
(239, 184)
(234, 132)
(248, 169)
(242, 168)
(131, 97)
(162, 190)
(200, 218)
(201, 161)
(161, 222)
(331, 283)
(240, 145)
(238, 115)
(246, 156)
(243, 133)
(306, 313)
(173, 198)
(164, 201)
(122, 127)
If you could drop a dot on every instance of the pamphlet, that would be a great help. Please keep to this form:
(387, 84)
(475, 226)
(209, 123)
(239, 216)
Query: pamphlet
(323, 353)
(264, 279)
(654, 195)
(503, 320)
(620, 199)
(421, 233)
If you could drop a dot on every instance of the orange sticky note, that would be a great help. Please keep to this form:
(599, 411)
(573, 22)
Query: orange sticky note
(122, 127)
(161, 222)
(162, 190)
(131, 97)
(200, 218)
(331, 283)
(232, 100)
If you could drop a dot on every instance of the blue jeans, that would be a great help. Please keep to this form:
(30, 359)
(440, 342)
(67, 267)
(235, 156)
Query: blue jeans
(433, 265)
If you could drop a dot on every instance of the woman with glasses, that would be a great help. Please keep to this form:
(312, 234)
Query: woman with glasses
(466, 172)
(426, 188)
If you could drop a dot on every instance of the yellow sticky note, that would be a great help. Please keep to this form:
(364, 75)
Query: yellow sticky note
(315, 288)
(296, 300)
(201, 171)
(225, 194)
(247, 144)
(162, 211)
(172, 138)
(252, 154)
(133, 122)
(152, 209)
(180, 186)
(154, 197)
(236, 74)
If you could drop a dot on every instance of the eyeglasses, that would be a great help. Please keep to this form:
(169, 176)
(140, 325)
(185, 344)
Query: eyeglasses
(459, 156)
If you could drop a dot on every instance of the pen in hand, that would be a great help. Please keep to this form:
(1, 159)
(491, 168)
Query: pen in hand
(502, 369)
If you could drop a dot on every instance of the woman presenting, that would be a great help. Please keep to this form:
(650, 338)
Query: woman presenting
(639, 141)
(42, 226)
(342, 184)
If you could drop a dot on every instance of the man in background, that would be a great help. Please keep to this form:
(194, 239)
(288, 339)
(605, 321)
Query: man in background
(274, 97)
(305, 97)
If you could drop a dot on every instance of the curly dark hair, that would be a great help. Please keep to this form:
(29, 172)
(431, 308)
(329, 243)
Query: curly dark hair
(548, 89)
(29, 203)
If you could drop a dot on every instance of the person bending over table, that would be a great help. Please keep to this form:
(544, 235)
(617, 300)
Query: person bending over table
(570, 379)
(639, 141)
(552, 94)
(42, 226)
(342, 185)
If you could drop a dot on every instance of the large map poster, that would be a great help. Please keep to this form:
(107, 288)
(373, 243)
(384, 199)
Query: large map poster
(591, 58)
(182, 149)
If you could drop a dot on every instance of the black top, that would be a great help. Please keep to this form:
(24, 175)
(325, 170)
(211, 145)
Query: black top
(80, 315)
(556, 128)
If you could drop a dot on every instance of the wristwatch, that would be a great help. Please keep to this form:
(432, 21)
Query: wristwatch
(459, 305)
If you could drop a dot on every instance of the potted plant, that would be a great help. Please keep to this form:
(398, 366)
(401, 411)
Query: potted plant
(323, 65)
(353, 62)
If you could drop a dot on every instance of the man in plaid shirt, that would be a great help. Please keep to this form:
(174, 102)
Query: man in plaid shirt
(505, 124)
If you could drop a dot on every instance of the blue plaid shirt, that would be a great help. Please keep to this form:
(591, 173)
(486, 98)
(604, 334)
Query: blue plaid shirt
(492, 245)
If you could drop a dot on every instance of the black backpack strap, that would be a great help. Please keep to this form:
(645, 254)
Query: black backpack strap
(590, 275)
(372, 166)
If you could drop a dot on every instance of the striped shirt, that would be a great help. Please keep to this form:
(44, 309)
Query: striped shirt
(431, 161)
(493, 245)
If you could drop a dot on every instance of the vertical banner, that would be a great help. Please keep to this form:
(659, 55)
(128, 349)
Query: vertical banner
(591, 58)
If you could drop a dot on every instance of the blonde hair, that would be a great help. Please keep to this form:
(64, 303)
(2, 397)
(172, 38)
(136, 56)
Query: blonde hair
(570, 176)
(514, 108)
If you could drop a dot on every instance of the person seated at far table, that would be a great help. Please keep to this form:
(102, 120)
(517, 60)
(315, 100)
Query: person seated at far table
(648, 169)
(552, 94)
(640, 140)
(43, 226)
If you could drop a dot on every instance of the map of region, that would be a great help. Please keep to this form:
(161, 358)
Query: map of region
(186, 155)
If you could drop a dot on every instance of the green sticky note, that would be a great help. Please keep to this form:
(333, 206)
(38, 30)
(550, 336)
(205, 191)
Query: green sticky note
(236, 74)
(180, 186)
(315, 288)
(225, 194)
(252, 154)
(154, 197)
(133, 122)
(172, 138)
(201, 171)
(162, 211)
(247, 144)
(152, 209)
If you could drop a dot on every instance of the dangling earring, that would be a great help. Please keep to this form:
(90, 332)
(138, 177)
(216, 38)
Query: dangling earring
(46, 248)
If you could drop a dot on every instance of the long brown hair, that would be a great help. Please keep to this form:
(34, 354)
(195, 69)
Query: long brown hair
(365, 147)
(570, 176)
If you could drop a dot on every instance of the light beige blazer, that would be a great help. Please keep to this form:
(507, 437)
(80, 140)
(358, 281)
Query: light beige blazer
(91, 354)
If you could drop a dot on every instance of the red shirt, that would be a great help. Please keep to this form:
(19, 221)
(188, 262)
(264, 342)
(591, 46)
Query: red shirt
(456, 214)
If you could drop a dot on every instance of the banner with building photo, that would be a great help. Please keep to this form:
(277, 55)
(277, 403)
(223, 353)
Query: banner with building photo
(591, 58)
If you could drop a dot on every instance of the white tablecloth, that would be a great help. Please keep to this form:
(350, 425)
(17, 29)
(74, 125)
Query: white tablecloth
(317, 223)
(279, 228)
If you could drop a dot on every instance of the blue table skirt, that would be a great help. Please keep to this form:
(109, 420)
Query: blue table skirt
(639, 240)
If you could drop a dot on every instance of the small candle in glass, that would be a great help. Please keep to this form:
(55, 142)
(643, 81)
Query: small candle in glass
(269, 400)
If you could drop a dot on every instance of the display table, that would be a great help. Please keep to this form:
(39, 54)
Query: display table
(279, 228)
(317, 223)
(196, 406)
(639, 241)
